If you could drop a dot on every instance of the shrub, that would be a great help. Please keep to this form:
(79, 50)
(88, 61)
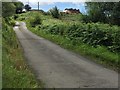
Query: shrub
(94, 34)
(15, 17)
(12, 23)
(21, 18)
(9, 21)
(35, 20)
(55, 12)
(85, 18)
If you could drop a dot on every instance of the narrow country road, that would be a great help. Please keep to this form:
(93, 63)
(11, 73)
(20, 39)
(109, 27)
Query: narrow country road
(60, 68)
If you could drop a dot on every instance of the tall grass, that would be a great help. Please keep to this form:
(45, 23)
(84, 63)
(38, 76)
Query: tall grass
(94, 34)
(36, 20)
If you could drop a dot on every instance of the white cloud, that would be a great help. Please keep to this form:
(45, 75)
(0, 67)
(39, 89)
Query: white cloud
(41, 3)
(34, 2)
(53, 1)
(48, 2)
(78, 4)
(74, 1)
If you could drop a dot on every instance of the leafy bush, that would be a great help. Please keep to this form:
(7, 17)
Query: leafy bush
(12, 23)
(94, 34)
(85, 18)
(8, 9)
(9, 21)
(21, 18)
(8, 35)
(15, 17)
(56, 29)
(35, 20)
(55, 12)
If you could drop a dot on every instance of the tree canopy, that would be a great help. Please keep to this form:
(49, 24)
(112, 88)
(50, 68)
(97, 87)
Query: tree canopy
(54, 12)
(27, 7)
(107, 12)
(18, 4)
(9, 8)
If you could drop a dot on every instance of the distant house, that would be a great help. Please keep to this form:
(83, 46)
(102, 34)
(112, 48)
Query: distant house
(71, 11)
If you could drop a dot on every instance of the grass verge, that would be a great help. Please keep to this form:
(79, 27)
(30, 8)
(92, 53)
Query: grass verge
(15, 72)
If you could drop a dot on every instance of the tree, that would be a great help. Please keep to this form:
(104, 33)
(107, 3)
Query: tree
(8, 9)
(27, 7)
(19, 4)
(107, 12)
(55, 12)
(115, 16)
(95, 11)
(19, 7)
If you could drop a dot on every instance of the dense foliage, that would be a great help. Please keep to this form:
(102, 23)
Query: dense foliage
(8, 9)
(18, 4)
(36, 20)
(94, 34)
(107, 12)
(27, 7)
(55, 12)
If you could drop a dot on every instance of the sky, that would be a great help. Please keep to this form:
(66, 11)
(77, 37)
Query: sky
(61, 5)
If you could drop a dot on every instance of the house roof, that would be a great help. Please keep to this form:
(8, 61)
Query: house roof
(72, 10)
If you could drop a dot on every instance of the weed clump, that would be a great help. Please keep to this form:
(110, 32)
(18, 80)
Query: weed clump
(35, 20)
(55, 12)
